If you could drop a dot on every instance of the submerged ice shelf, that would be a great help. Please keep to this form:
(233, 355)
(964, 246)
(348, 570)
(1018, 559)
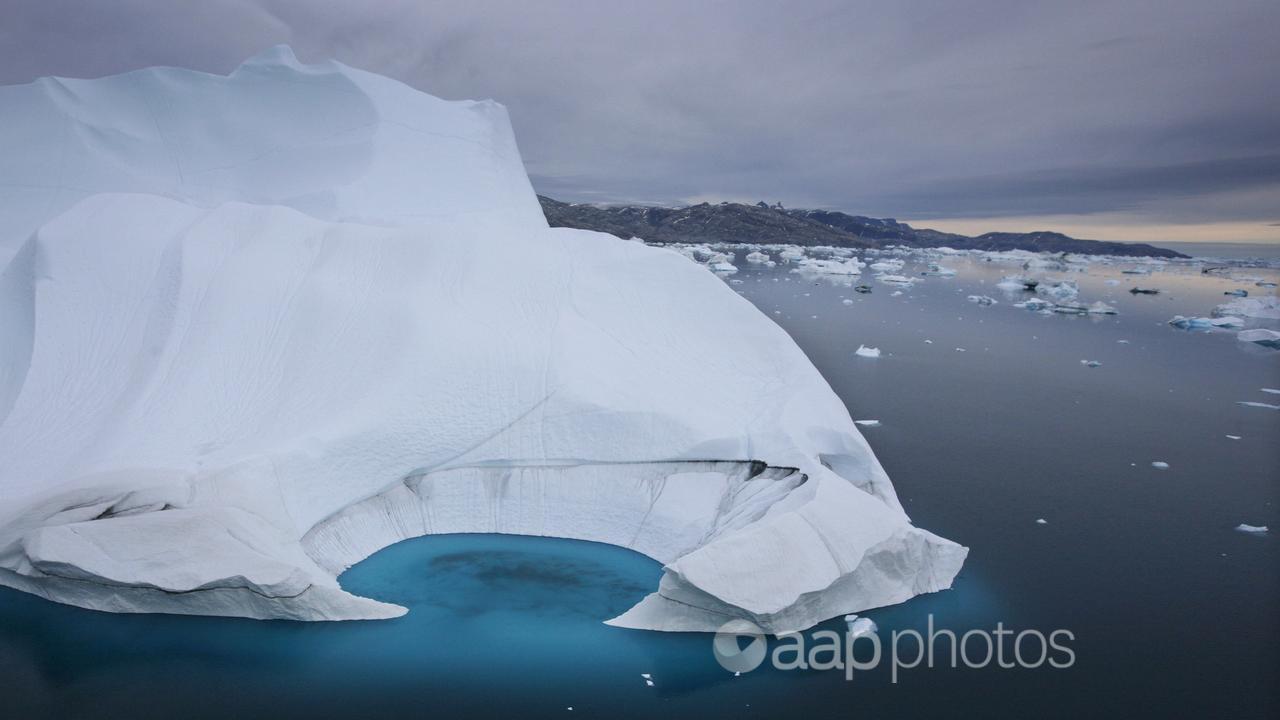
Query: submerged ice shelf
(256, 327)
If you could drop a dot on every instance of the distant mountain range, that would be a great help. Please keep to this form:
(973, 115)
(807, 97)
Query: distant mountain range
(773, 224)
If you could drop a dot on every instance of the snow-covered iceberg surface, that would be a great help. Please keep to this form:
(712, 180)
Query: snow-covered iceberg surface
(254, 328)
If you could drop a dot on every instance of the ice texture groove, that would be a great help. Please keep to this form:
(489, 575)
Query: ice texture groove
(255, 328)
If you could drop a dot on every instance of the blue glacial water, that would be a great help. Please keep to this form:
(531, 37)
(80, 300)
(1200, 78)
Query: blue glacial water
(1173, 613)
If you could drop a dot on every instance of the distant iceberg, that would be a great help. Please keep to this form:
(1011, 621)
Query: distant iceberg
(256, 327)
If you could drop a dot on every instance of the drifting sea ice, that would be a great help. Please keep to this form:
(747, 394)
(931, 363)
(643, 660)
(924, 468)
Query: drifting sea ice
(1260, 336)
(867, 352)
(982, 299)
(1266, 308)
(757, 258)
(1204, 323)
(1252, 529)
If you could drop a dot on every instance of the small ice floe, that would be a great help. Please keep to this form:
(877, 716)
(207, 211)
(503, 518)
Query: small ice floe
(829, 267)
(867, 423)
(1123, 342)
(1101, 308)
(1041, 521)
(1238, 292)
(1250, 403)
(1061, 290)
(859, 626)
(930, 342)
(1144, 291)
(1034, 304)
(757, 258)
(864, 289)
(1252, 529)
(1090, 363)
(959, 349)
(1013, 283)
(791, 253)
(895, 279)
(846, 301)
(886, 265)
(1204, 323)
(1070, 308)
(1234, 437)
(982, 299)
(1260, 336)
(1160, 465)
(939, 271)
(1272, 391)
(867, 352)
(895, 293)
(1265, 308)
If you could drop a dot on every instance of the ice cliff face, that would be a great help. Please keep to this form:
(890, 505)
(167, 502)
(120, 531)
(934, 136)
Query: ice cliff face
(254, 328)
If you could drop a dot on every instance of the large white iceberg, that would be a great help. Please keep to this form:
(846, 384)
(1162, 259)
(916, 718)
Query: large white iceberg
(254, 328)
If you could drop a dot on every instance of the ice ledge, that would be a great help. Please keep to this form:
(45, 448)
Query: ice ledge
(737, 538)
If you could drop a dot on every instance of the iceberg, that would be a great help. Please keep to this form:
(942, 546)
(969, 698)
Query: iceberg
(257, 327)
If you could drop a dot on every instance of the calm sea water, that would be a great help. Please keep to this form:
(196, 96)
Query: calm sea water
(1173, 612)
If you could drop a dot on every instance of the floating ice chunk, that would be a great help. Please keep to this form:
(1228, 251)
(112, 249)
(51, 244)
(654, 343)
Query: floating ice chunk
(1091, 363)
(1234, 437)
(846, 301)
(1160, 465)
(886, 265)
(867, 352)
(982, 299)
(1041, 521)
(1266, 308)
(646, 676)
(1012, 283)
(1204, 323)
(829, 267)
(1070, 308)
(1034, 304)
(1273, 391)
(867, 423)
(895, 293)
(791, 253)
(1061, 290)
(757, 258)
(1250, 403)
(1101, 308)
(1252, 529)
(860, 626)
(1260, 336)
(939, 271)
(895, 279)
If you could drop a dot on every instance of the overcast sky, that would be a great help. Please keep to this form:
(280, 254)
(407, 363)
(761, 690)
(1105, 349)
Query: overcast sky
(1116, 119)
